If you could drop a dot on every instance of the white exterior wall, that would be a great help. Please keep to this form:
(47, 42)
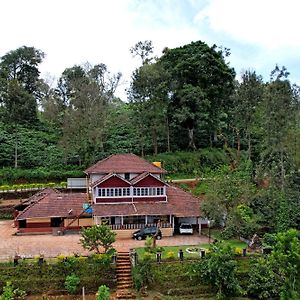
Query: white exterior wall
(131, 175)
(95, 177)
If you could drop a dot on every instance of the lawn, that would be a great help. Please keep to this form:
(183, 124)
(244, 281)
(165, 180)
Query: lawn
(172, 251)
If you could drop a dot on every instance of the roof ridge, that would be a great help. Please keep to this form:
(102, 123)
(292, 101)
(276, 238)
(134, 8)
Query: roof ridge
(33, 204)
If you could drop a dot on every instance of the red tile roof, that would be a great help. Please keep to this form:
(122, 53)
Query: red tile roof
(55, 205)
(39, 195)
(180, 204)
(123, 163)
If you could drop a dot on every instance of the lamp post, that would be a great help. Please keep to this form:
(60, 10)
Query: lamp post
(208, 224)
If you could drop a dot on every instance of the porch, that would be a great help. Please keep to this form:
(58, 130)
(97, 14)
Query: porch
(124, 226)
(135, 222)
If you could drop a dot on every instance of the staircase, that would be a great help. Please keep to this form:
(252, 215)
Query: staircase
(124, 278)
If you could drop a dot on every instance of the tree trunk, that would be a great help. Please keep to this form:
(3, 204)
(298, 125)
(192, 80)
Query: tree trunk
(191, 138)
(154, 141)
(238, 155)
(16, 153)
(16, 147)
(282, 175)
(249, 146)
(168, 137)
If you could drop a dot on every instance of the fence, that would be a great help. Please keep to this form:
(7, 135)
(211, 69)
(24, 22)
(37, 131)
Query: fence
(138, 226)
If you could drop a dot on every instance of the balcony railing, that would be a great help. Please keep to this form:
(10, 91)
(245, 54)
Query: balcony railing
(138, 226)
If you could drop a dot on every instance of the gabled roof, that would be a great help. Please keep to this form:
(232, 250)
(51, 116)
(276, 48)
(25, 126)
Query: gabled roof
(106, 177)
(123, 163)
(142, 176)
(54, 205)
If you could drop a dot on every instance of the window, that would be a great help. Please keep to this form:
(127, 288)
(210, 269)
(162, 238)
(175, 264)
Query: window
(126, 192)
(127, 176)
(114, 192)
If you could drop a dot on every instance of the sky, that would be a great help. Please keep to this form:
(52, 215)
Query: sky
(259, 33)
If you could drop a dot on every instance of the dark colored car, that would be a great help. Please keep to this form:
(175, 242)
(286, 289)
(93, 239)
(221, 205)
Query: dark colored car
(147, 231)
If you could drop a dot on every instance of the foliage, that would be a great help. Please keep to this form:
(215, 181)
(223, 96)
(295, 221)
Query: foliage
(277, 274)
(269, 240)
(19, 77)
(227, 191)
(285, 259)
(197, 98)
(263, 281)
(97, 236)
(148, 244)
(72, 283)
(170, 255)
(10, 293)
(200, 163)
(218, 268)
(240, 223)
(103, 293)
(143, 273)
(36, 279)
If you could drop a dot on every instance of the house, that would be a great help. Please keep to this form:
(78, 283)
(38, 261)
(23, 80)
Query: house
(125, 192)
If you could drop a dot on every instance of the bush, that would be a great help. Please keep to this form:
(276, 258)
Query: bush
(103, 293)
(143, 274)
(170, 255)
(72, 283)
(10, 293)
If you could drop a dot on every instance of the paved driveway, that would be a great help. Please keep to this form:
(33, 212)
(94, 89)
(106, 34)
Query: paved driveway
(68, 244)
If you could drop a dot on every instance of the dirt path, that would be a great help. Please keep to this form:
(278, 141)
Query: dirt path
(51, 246)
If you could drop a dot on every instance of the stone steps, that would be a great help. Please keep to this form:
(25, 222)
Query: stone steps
(124, 277)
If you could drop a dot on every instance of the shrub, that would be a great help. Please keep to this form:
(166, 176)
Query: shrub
(143, 273)
(103, 293)
(10, 293)
(170, 255)
(147, 256)
(72, 283)
(148, 244)
(238, 251)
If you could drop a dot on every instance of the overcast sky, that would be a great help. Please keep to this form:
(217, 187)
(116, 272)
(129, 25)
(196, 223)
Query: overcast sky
(259, 33)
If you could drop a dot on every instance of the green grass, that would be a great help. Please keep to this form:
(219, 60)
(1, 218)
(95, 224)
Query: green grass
(175, 249)
(216, 234)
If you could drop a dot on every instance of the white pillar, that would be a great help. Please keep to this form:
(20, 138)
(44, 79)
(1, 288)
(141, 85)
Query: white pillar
(122, 220)
(146, 220)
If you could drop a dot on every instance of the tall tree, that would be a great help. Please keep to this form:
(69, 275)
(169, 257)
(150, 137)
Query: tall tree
(19, 84)
(279, 113)
(200, 82)
(87, 92)
(148, 94)
(243, 115)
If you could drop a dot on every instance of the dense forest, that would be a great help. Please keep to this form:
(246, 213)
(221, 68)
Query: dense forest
(245, 134)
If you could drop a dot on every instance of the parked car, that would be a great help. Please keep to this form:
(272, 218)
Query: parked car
(185, 228)
(147, 231)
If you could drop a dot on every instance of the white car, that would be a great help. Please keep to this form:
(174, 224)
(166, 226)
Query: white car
(185, 228)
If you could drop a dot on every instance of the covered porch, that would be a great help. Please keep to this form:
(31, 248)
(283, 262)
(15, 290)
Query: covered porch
(124, 226)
